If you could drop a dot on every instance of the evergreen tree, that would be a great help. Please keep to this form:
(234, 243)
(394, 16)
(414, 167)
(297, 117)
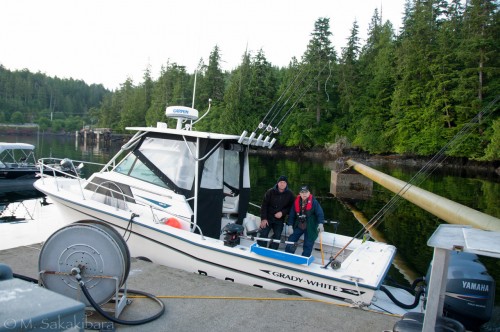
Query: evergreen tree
(214, 79)
(319, 58)
(348, 82)
(376, 87)
(416, 125)
(237, 98)
(40, 98)
(262, 88)
(479, 79)
(171, 89)
(299, 129)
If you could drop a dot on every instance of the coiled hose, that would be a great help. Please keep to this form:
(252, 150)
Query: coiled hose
(102, 312)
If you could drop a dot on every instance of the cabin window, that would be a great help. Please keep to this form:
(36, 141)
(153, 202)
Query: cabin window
(232, 169)
(212, 171)
(173, 158)
(133, 167)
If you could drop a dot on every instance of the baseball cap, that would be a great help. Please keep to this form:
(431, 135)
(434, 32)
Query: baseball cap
(304, 189)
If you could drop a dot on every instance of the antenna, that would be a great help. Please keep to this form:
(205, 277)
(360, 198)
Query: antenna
(194, 88)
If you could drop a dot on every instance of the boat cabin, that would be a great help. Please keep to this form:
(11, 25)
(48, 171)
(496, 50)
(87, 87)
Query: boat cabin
(209, 170)
(202, 168)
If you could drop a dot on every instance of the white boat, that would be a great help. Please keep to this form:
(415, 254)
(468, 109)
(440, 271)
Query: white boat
(180, 198)
(18, 166)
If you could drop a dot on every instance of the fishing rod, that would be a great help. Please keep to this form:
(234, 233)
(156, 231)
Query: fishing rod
(282, 95)
(292, 90)
(438, 158)
(301, 94)
(421, 175)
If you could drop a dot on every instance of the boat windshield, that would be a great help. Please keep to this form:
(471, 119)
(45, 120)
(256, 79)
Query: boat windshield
(212, 171)
(171, 157)
(133, 167)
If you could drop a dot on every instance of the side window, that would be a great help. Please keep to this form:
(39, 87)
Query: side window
(232, 168)
(133, 167)
(212, 171)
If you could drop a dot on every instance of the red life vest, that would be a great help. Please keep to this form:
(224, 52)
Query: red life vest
(308, 204)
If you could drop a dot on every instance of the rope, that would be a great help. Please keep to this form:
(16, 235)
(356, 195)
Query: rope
(243, 298)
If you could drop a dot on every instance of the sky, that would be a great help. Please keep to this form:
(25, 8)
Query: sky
(107, 41)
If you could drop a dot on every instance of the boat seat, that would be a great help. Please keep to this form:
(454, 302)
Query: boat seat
(230, 203)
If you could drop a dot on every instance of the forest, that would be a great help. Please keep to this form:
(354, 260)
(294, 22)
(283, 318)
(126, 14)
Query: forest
(402, 92)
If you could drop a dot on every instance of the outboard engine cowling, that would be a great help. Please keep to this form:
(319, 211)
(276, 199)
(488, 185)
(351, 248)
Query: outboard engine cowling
(232, 233)
(470, 291)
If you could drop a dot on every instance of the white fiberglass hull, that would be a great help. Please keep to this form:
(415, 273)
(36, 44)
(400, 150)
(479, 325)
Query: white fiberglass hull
(356, 281)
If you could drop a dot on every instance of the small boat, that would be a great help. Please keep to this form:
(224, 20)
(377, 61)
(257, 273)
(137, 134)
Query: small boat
(18, 166)
(180, 198)
(17, 161)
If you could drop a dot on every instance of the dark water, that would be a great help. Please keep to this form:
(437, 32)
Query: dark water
(407, 227)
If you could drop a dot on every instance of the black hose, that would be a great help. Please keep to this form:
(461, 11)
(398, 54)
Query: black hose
(121, 321)
(410, 289)
(102, 312)
(25, 278)
(400, 304)
(416, 281)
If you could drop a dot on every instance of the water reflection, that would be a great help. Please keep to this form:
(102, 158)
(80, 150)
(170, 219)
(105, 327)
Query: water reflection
(408, 227)
(8, 208)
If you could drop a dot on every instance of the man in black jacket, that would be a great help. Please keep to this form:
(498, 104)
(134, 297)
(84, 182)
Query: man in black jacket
(275, 207)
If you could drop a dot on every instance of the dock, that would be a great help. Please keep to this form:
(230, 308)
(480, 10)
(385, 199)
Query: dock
(194, 302)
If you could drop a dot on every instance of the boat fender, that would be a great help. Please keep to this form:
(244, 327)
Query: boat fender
(5, 272)
(172, 222)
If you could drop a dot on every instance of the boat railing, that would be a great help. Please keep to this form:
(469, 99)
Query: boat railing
(74, 173)
(141, 201)
(67, 166)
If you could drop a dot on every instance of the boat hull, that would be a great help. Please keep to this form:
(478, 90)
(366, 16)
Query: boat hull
(192, 252)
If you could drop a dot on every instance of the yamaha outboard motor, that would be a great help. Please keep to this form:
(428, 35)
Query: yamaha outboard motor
(470, 291)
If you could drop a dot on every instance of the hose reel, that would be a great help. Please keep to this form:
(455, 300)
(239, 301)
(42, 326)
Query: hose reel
(92, 249)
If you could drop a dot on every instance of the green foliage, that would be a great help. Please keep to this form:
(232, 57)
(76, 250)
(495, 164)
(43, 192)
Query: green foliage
(34, 97)
(493, 149)
(408, 94)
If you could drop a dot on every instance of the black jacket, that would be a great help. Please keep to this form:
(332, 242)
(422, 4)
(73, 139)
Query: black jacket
(275, 201)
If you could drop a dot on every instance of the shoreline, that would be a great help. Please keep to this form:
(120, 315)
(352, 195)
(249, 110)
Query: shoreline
(454, 164)
(488, 168)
